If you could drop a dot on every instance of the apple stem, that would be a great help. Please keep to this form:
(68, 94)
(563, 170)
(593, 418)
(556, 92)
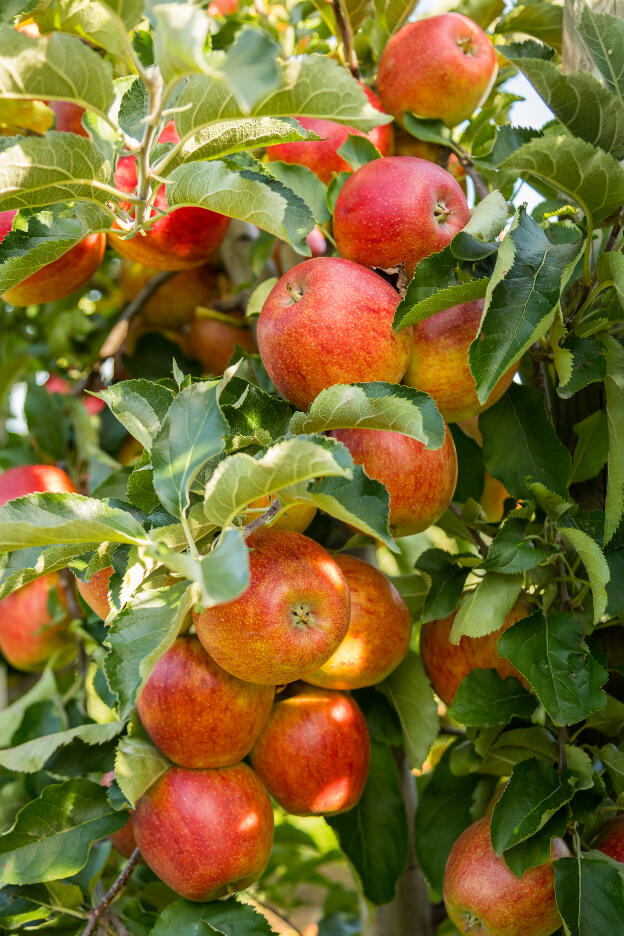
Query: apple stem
(346, 37)
(266, 517)
(294, 294)
(98, 912)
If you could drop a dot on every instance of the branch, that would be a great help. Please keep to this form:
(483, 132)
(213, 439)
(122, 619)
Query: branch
(119, 331)
(481, 187)
(266, 517)
(346, 37)
(96, 914)
(67, 586)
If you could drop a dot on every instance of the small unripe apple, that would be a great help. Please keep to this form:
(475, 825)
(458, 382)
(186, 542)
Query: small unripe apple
(59, 278)
(290, 619)
(379, 631)
(174, 303)
(197, 714)
(212, 341)
(398, 210)
(206, 833)
(611, 840)
(329, 321)
(421, 481)
(483, 896)
(314, 753)
(441, 67)
(95, 592)
(123, 839)
(439, 362)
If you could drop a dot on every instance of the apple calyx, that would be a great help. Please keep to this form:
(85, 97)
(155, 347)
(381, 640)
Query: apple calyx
(467, 45)
(295, 294)
(302, 616)
(473, 922)
(441, 212)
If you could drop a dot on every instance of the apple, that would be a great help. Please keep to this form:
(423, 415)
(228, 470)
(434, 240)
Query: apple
(222, 7)
(206, 833)
(442, 67)
(398, 210)
(379, 631)
(123, 839)
(68, 117)
(186, 237)
(407, 145)
(447, 663)
(321, 156)
(61, 277)
(175, 301)
(297, 517)
(439, 362)
(56, 384)
(95, 592)
(329, 321)
(493, 498)
(197, 714)
(314, 752)
(482, 896)
(421, 481)
(33, 479)
(290, 619)
(611, 841)
(212, 341)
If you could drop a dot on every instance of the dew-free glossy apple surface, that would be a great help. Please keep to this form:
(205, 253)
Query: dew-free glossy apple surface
(95, 592)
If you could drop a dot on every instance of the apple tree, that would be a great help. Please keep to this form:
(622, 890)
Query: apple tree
(311, 468)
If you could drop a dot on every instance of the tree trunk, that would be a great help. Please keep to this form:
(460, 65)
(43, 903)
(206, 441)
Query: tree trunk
(575, 57)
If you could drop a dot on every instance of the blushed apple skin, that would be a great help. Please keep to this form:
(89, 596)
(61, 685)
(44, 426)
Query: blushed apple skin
(329, 321)
(447, 664)
(400, 209)
(611, 841)
(60, 278)
(212, 342)
(123, 839)
(197, 714)
(68, 117)
(321, 156)
(478, 884)
(314, 753)
(441, 67)
(439, 362)
(379, 631)
(291, 618)
(421, 481)
(33, 479)
(95, 592)
(206, 833)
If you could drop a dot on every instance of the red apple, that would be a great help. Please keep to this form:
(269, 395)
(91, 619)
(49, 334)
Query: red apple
(291, 618)
(612, 839)
(398, 210)
(196, 713)
(31, 479)
(421, 481)
(447, 664)
(316, 242)
(482, 896)
(95, 592)
(379, 631)
(212, 341)
(206, 833)
(222, 7)
(60, 278)
(123, 840)
(56, 384)
(68, 117)
(321, 156)
(439, 362)
(186, 237)
(442, 67)
(329, 321)
(314, 752)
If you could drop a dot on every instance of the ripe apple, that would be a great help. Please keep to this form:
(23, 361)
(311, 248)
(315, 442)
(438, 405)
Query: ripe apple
(212, 341)
(68, 117)
(95, 592)
(322, 156)
(379, 631)
(329, 321)
(483, 896)
(291, 618)
(611, 841)
(222, 7)
(174, 303)
(447, 664)
(421, 481)
(186, 237)
(493, 498)
(296, 517)
(206, 833)
(59, 278)
(314, 752)
(56, 384)
(123, 839)
(439, 362)
(398, 210)
(442, 67)
(196, 713)
(33, 479)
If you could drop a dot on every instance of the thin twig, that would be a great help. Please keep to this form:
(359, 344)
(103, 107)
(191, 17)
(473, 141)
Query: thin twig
(476, 537)
(562, 738)
(67, 585)
(346, 37)
(481, 187)
(98, 912)
(266, 517)
(119, 332)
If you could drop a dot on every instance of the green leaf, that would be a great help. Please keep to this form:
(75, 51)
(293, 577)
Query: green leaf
(603, 34)
(12, 715)
(373, 834)
(304, 183)
(447, 582)
(613, 759)
(255, 417)
(22, 566)
(193, 430)
(180, 33)
(536, 850)
(53, 834)
(588, 365)
(358, 150)
(435, 287)
(595, 564)
(47, 519)
(374, 405)
(140, 406)
(225, 917)
(31, 756)
(538, 18)
(511, 553)
(484, 700)
(614, 390)
(552, 655)
(410, 692)
(590, 894)
(103, 23)
(393, 13)
(608, 720)
(138, 765)
(251, 67)
(513, 746)
(520, 445)
(139, 635)
(484, 609)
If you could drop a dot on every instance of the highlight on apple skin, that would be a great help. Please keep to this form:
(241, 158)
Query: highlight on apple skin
(95, 591)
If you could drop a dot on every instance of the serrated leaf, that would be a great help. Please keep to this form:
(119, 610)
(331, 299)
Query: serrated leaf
(358, 150)
(511, 553)
(587, 365)
(603, 34)
(251, 67)
(484, 700)
(22, 566)
(12, 715)
(538, 18)
(180, 32)
(31, 756)
(304, 183)
(614, 391)
(140, 406)
(138, 765)
(484, 609)
(447, 582)
(100, 22)
(613, 759)
(411, 695)
(254, 416)
(225, 917)
(590, 894)
(595, 564)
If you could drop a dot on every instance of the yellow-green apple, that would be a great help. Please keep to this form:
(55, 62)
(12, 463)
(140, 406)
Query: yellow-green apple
(186, 237)
(290, 619)
(447, 663)
(314, 752)
(329, 321)
(439, 362)
(197, 714)
(321, 156)
(206, 833)
(611, 841)
(123, 839)
(95, 592)
(59, 278)
(174, 303)
(442, 67)
(296, 517)
(421, 481)
(482, 896)
(493, 498)
(212, 341)
(379, 631)
(398, 210)
(29, 634)
(56, 384)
